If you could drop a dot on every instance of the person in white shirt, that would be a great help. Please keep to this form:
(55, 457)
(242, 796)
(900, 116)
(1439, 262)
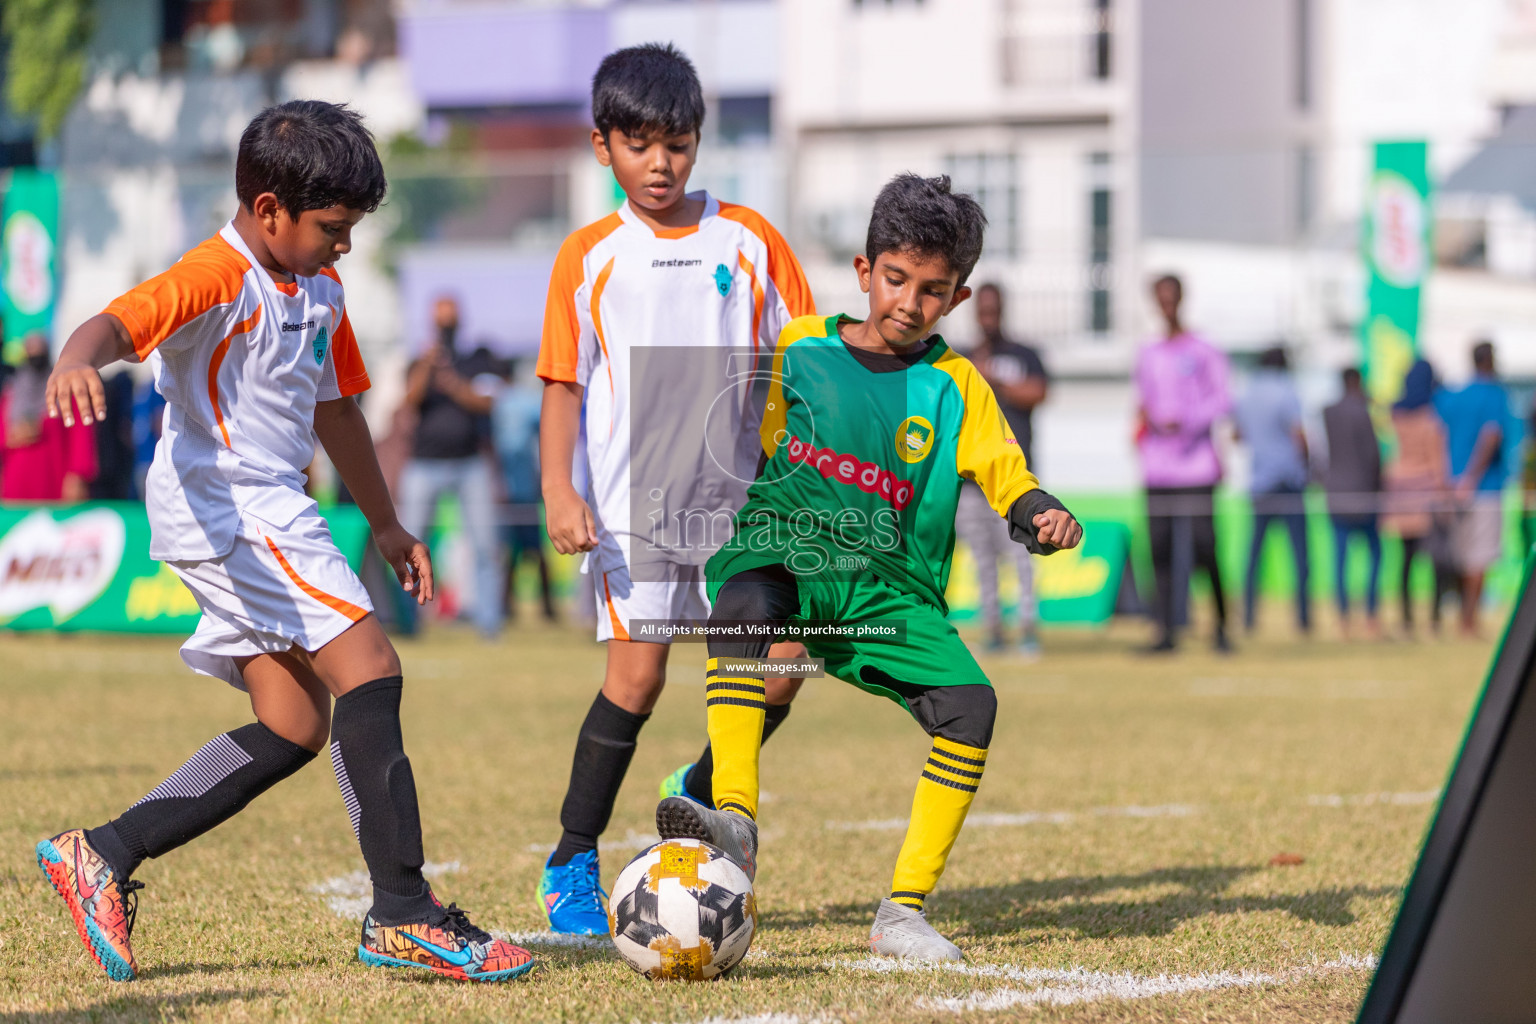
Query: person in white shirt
(250, 344)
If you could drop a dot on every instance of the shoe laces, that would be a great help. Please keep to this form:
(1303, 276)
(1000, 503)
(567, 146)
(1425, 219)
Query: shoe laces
(589, 882)
(130, 892)
(457, 920)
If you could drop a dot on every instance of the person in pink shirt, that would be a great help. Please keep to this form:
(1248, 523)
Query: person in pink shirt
(1182, 390)
(40, 458)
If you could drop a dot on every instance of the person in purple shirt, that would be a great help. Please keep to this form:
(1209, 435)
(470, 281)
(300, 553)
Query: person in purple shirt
(1181, 384)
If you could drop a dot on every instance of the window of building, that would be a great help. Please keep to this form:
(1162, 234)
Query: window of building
(1100, 244)
(993, 179)
(1306, 188)
(1102, 23)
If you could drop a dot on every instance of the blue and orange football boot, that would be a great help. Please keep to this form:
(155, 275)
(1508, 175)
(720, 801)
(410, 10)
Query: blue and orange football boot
(572, 895)
(448, 945)
(104, 908)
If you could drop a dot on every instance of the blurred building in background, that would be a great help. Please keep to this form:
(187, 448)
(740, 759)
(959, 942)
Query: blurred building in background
(1107, 139)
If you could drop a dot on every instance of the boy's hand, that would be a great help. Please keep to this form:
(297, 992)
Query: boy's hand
(1057, 528)
(75, 384)
(569, 521)
(409, 558)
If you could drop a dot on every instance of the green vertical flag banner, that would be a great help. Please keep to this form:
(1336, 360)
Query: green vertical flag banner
(29, 233)
(1397, 257)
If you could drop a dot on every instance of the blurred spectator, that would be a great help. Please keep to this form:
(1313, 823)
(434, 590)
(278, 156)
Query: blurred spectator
(1528, 484)
(1181, 384)
(1476, 418)
(1269, 421)
(448, 455)
(1019, 380)
(1416, 487)
(515, 430)
(148, 418)
(1353, 483)
(114, 443)
(42, 459)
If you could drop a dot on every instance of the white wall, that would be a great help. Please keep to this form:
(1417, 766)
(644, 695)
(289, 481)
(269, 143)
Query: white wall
(148, 172)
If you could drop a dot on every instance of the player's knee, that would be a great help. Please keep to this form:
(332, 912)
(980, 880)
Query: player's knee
(741, 601)
(309, 728)
(967, 714)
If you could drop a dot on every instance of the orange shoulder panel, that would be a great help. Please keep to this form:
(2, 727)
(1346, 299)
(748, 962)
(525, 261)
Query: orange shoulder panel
(208, 276)
(783, 269)
(559, 350)
(351, 374)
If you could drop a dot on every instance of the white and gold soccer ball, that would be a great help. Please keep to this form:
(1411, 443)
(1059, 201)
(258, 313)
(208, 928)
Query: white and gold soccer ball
(683, 910)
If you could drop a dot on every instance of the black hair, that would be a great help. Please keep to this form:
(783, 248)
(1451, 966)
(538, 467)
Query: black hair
(1351, 378)
(648, 88)
(1169, 279)
(1274, 358)
(312, 156)
(922, 216)
(1482, 356)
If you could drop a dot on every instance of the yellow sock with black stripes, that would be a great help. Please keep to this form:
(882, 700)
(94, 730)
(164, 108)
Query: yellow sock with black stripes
(736, 706)
(944, 794)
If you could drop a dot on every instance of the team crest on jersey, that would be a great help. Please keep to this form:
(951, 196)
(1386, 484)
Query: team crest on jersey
(914, 439)
(723, 280)
(320, 343)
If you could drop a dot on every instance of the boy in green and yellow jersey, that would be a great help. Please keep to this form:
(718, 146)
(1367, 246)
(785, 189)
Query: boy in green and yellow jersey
(871, 428)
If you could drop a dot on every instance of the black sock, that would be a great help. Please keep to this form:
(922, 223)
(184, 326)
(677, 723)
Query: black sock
(214, 785)
(374, 774)
(699, 780)
(603, 749)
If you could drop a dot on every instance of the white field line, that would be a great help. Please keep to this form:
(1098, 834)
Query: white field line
(1064, 987)
(555, 939)
(763, 1018)
(351, 896)
(1025, 818)
(1427, 796)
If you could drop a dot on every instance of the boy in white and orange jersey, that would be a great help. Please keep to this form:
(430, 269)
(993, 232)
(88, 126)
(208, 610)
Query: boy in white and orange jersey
(250, 344)
(669, 274)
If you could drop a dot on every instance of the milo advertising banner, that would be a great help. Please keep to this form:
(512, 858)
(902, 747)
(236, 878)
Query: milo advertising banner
(87, 567)
(29, 230)
(1397, 257)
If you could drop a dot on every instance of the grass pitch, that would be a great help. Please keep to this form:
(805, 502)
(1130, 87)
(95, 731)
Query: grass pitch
(1117, 866)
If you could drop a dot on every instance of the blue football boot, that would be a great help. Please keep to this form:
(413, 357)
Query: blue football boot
(572, 896)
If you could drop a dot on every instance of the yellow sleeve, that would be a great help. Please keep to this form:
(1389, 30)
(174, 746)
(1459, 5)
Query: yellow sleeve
(776, 411)
(987, 451)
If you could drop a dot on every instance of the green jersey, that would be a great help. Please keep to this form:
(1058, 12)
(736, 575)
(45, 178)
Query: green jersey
(864, 469)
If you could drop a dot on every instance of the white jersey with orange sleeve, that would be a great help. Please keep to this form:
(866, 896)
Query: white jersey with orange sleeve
(241, 360)
(619, 286)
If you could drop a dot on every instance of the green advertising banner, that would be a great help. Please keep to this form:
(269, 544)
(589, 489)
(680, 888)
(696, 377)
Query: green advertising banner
(1077, 586)
(29, 234)
(87, 567)
(1397, 256)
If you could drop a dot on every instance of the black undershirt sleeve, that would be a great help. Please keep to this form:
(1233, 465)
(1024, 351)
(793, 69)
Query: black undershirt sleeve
(1021, 519)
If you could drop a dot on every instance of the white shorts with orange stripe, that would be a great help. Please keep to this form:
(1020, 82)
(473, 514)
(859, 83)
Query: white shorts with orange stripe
(680, 597)
(278, 588)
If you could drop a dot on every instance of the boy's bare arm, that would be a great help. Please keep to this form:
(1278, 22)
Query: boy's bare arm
(76, 379)
(567, 517)
(343, 432)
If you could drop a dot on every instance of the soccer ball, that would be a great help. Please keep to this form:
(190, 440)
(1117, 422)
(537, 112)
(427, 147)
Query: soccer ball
(682, 909)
